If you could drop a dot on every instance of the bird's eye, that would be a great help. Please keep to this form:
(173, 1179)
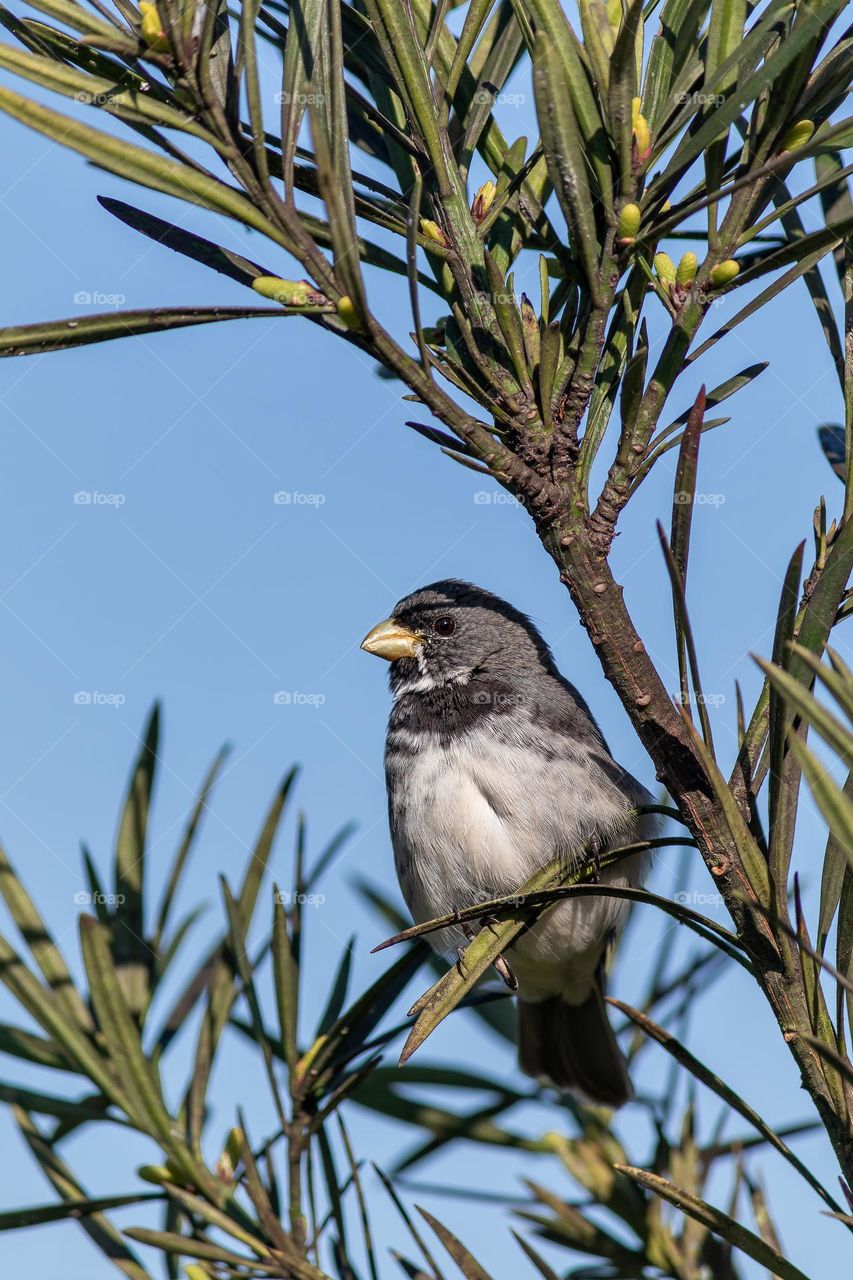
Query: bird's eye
(444, 626)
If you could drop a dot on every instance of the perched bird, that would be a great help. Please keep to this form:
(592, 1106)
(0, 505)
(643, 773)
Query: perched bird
(494, 767)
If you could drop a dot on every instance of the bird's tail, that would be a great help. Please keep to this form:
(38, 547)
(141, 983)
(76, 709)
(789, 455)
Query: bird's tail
(574, 1047)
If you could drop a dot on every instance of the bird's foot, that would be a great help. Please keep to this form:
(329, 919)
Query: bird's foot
(506, 973)
(500, 965)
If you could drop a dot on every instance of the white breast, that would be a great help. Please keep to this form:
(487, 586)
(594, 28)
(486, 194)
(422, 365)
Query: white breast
(473, 818)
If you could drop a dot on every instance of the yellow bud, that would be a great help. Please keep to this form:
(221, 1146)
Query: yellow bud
(348, 313)
(642, 137)
(666, 206)
(193, 1271)
(151, 27)
(724, 273)
(290, 293)
(433, 231)
(686, 269)
(665, 268)
(483, 201)
(636, 103)
(798, 135)
(629, 223)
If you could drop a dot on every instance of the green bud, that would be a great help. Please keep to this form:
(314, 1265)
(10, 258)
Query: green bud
(724, 273)
(665, 268)
(156, 1173)
(798, 135)
(629, 223)
(290, 293)
(686, 272)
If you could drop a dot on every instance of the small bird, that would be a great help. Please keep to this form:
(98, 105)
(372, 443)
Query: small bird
(494, 767)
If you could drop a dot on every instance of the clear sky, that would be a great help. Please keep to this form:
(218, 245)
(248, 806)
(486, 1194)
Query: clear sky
(185, 580)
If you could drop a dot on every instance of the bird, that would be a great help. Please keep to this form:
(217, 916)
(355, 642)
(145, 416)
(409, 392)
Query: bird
(494, 767)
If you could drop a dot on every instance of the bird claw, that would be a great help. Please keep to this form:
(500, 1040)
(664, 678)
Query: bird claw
(501, 964)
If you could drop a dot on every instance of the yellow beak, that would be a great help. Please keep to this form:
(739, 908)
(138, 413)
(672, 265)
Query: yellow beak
(390, 640)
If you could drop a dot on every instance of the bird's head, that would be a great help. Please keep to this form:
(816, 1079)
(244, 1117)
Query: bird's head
(454, 631)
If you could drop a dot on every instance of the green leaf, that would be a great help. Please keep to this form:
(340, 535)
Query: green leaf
(683, 629)
(131, 952)
(140, 165)
(286, 982)
(124, 101)
(465, 1261)
(717, 1221)
(835, 804)
(186, 845)
(356, 1023)
(44, 950)
(565, 156)
(683, 498)
(784, 773)
(297, 71)
(57, 335)
(98, 1227)
(225, 261)
(835, 864)
(732, 1099)
(37, 1215)
(623, 90)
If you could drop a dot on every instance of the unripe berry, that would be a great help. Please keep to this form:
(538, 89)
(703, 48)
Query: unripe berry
(724, 273)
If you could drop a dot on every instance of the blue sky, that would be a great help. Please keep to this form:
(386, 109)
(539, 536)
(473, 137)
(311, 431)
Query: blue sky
(181, 578)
